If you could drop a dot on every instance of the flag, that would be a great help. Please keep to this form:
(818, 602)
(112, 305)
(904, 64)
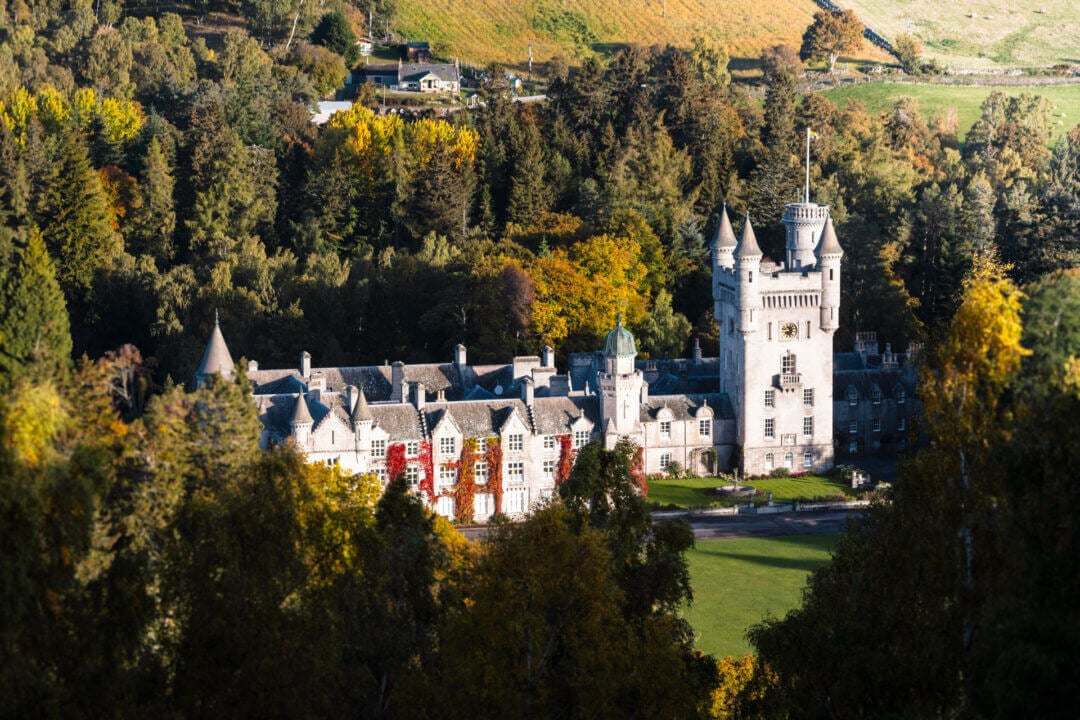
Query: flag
(811, 134)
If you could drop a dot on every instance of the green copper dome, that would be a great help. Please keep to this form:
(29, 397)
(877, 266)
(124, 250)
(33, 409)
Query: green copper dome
(620, 342)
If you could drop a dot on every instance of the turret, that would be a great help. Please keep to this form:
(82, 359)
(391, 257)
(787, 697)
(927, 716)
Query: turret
(804, 223)
(619, 350)
(216, 358)
(620, 383)
(724, 243)
(301, 421)
(747, 266)
(829, 253)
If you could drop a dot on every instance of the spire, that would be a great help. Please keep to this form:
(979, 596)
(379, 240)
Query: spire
(217, 358)
(725, 235)
(748, 247)
(301, 415)
(361, 411)
(829, 245)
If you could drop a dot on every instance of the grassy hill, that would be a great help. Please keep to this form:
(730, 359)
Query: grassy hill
(983, 33)
(481, 31)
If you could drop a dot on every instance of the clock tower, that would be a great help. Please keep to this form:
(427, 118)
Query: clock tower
(776, 331)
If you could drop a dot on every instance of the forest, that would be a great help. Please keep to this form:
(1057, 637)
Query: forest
(155, 175)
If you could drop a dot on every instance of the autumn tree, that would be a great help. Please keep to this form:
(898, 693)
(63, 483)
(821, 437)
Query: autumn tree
(831, 34)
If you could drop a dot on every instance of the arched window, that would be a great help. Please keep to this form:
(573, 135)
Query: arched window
(789, 460)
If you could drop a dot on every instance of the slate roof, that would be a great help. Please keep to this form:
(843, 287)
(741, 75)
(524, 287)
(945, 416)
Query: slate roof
(864, 380)
(477, 419)
(554, 415)
(748, 245)
(829, 245)
(725, 234)
(684, 407)
(217, 358)
(400, 421)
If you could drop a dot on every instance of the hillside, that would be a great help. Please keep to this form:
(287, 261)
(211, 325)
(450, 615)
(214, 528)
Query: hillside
(482, 31)
(983, 34)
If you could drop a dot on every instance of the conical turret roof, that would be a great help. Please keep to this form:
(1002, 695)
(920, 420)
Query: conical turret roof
(361, 411)
(829, 245)
(748, 246)
(724, 237)
(217, 358)
(301, 415)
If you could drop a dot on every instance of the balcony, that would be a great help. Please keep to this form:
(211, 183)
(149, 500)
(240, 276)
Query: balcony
(788, 382)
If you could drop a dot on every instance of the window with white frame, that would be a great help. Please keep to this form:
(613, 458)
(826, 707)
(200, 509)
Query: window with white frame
(808, 459)
(789, 460)
(852, 397)
(787, 364)
(481, 445)
(412, 448)
(770, 398)
(447, 474)
(445, 506)
(770, 461)
(549, 442)
(808, 426)
(514, 500)
(378, 448)
(665, 429)
(853, 427)
(770, 427)
(808, 397)
(549, 470)
(877, 425)
(448, 445)
(484, 503)
(901, 396)
(380, 472)
(875, 395)
(704, 427)
(665, 461)
(901, 425)
(515, 442)
(581, 438)
(515, 472)
(412, 475)
(480, 473)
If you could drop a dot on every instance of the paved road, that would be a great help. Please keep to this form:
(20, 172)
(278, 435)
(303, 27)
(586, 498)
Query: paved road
(726, 527)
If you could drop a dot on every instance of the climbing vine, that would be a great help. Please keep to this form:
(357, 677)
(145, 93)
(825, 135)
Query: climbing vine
(395, 461)
(637, 471)
(494, 461)
(427, 472)
(465, 489)
(566, 460)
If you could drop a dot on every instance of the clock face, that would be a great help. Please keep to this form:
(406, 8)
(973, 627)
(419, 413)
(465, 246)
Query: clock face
(789, 331)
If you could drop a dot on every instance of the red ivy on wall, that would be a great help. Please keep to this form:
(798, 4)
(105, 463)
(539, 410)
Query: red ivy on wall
(395, 461)
(494, 461)
(566, 460)
(637, 471)
(427, 473)
(465, 489)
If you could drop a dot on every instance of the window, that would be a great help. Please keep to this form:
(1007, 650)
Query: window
(789, 460)
(581, 438)
(514, 500)
(770, 398)
(447, 475)
(704, 428)
(901, 425)
(332, 436)
(412, 448)
(875, 395)
(770, 462)
(514, 443)
(808, 397)
(808, 426)
(807, 328)
(380, 472)
(901, 396)
(808, 459)
(852, 397)
(770, 428)
(549, 442)
(480, 472)
(665, 428)
(448, 446)
(481, 445)
(665, 461)
(378, 448)
(877, 424)
(484, 503)
(853, 447)
(787, 364)
(853, 427)
(445, 506)
(515, 472)
(549, 470)
(412, 475)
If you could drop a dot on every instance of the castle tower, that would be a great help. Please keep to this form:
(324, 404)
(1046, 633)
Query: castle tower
(301, 422)
(804, 223)
(620, 385)
(216, 358)
(747, 266)
(829, 253)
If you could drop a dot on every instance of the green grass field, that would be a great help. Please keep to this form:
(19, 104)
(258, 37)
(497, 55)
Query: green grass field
(737, 583)
(981, 33)
(693, 492)
(936, 100)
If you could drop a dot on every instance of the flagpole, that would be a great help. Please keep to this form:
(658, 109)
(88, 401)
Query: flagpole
(807, 164)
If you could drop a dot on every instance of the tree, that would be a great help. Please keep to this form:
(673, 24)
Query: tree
(334, 32)
(831, 33)
(909, 52)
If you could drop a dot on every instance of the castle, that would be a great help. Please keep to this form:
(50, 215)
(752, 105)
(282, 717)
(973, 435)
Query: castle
(508, 432)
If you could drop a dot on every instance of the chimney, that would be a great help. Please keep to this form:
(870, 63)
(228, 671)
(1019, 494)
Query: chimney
(644, 393)
(459, 356)
(547, 357)
(527, 391)
(305, 365)
(560, 385)
(397, 381)
(419, 395)
(253, 366)
(697, 351)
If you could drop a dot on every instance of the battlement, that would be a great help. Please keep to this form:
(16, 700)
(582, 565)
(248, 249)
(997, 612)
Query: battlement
(806, 212)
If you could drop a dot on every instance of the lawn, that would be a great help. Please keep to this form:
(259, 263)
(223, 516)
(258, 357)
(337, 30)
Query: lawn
(693, 492)
(966, 101)
(737, 583)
